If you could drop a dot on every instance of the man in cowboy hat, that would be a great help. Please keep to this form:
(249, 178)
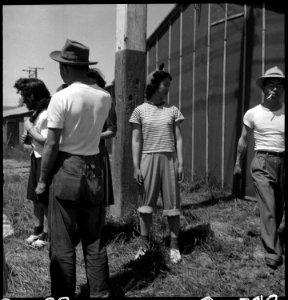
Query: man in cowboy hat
(266, 122)
(72, 166)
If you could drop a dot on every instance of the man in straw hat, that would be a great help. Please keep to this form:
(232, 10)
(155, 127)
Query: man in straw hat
(71, 164)
(267, 123)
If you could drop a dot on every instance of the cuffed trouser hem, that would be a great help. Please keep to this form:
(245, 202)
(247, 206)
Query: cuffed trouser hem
(145, 209)
(273, 260)
(171, 212)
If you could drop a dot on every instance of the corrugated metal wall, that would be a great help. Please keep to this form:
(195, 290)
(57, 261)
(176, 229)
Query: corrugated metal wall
(214, 53)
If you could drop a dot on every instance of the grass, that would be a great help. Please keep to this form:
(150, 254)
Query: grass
(18, 153)
(221, 251)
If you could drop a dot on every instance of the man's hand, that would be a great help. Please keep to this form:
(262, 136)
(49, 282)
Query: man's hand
(138, 176)
(40, 189)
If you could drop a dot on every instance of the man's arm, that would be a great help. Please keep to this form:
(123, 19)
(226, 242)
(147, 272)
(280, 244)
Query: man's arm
(136, 150)
(242, 149)
(50, 153)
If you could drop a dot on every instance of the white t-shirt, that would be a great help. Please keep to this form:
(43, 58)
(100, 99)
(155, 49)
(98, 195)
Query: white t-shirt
(157, 126)
(268, 128)
(40, 124)
(80, 110)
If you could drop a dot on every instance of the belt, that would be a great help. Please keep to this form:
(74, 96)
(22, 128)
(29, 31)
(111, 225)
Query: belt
(271, 153)
(65, 155)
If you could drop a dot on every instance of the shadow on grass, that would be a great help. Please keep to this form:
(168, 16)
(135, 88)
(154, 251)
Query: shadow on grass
(213, 200)
(190, 237)
(116, 231)
(137, 275)
(141, 273)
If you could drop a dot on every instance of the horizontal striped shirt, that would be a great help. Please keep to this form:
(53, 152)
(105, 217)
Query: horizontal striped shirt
(157, 126)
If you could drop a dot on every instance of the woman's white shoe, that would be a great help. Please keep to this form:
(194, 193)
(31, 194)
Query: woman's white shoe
(175, 256)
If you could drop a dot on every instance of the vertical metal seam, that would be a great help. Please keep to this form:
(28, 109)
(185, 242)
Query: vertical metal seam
(244, 59)
(223, 97)
(207, 91)
(263, 42)
(193, 93)
(147, 61)
(157, 56)
(180, 58)
(169, 54)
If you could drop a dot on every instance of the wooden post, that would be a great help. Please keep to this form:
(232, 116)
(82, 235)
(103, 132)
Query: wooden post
(130, 77)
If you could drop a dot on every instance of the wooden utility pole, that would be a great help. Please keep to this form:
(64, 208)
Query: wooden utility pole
(130, 76)
(33, 72)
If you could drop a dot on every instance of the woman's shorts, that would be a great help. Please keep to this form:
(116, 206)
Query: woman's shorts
(34, 175)
(159, 171)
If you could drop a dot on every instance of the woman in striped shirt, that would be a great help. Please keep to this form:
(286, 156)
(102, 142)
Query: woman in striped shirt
(158, 159)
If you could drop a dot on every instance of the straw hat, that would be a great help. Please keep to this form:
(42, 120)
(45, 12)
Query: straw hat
(274, 72)
(73, 53)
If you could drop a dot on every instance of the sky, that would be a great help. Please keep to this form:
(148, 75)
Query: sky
(31, 32)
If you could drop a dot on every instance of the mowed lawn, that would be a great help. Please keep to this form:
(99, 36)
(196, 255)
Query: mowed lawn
(222, 254)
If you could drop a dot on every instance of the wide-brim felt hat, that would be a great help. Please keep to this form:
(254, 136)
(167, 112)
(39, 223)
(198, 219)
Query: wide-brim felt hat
(274, 72)
(73, 53)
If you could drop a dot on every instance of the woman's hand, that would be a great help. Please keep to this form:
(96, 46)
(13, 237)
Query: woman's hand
(40, 189)
(28, 124)
(180, 174)
(138, 176)
(26, 139)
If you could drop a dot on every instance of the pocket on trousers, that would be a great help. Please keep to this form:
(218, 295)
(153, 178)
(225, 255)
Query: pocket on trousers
(258, 163)
(66, 186)
(93, 191)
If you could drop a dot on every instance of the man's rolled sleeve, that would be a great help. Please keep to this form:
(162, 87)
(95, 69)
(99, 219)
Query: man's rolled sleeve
(248, 119)
(55, 114)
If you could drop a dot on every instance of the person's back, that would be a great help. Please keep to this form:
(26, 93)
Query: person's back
(81, 111)
(72, 166)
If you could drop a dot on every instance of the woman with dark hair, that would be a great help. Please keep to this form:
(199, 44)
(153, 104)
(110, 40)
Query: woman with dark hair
(36, 97)
(109, 131)
(158, 159)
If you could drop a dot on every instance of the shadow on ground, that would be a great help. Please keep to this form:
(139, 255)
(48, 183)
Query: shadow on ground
(190, 237)
(142, 272)
(209, 201)
(137, 275)
(114, 231)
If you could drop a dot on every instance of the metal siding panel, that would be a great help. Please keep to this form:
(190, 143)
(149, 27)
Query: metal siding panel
(152, 58)
(215, 100)
(233, 104)
(234, 9)
(275, 40)
(217, 11)
(163, 48)
(253, 93)
(175, 61)
(200, 91)
(186, 83)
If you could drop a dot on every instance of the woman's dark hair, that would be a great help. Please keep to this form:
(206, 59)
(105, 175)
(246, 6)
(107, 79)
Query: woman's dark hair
(154, 79)
(62, 87)
(34, 93)
(94, 74)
